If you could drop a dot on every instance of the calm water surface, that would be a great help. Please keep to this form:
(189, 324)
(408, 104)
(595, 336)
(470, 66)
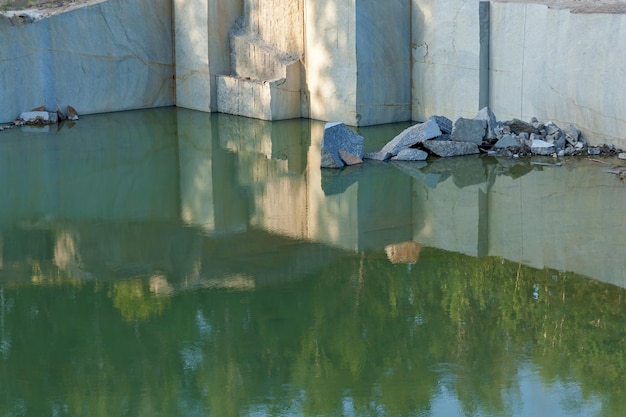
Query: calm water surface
(174, 263)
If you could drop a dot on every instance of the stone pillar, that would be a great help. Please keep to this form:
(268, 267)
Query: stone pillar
(446, 58)
(202, 49)
(358, 63)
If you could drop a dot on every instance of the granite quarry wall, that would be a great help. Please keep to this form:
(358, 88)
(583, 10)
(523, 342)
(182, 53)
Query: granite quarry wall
(110, 56)
(361, 62)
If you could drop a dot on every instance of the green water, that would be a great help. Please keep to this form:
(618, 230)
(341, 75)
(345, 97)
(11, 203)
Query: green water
(173, 263)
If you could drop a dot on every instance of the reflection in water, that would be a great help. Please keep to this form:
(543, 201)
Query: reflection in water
(170, 262)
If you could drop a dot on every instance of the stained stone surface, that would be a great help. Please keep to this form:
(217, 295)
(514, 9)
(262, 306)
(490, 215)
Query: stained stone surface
(449, 148)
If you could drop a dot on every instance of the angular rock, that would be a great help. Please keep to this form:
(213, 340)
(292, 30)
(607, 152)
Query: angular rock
(519, 126)
(507, 141)
(72, 114)
(60, 113)
(551, 128)
(487, 115)
(412, 135)
(541, 147)
(337, 137)
(573, 134)
(38, 117)
(377, 156)
(349, 159)
(410, 154)
(622, 155)
(469, 130)
(445, 124)
(444, 148)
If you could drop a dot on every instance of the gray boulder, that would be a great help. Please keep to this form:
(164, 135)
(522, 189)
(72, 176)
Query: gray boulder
(378, 156)
(445, 124)
(541, 147)
(469, 130)
(38, 117)
(411, 136)
(447, 148)
(410, 154)
(519, 126)
(337, 137)
(488, 116)
(507, 141)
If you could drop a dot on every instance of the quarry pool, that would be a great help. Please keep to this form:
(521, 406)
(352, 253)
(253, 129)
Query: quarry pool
(168, 262)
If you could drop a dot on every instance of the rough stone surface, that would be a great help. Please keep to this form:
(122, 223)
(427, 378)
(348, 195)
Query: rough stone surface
(468, 130)
(410, 155)
(378, 156)
(35, 117)
(338, 137)
(411, 136)
(520, 126)
(541, 147)
(349, 159)
(445, 124)
(446, 149)
(108, 56)
(507, 141)
(488, 116)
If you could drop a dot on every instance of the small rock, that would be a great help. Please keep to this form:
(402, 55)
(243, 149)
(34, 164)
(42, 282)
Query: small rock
(593, 151)
(541, 147)
(71, 113)
(61, 116)
(573, 133)
(551, 128)
(35, 117)
(622, 155)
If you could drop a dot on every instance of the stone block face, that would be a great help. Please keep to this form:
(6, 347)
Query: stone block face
(383, 61)
(445, 51)
(110, 56)
(265, 100)
(469, 130)
(338, 138)
(447, 148)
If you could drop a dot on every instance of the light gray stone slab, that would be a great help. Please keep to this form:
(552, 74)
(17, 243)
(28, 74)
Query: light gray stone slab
(488, 116)
(469, 130)
(541, 147)
(411, 136)
(410, 154)
(507, 141)
(447, 148)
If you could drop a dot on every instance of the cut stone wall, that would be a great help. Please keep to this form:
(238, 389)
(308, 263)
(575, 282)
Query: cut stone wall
(110, 56)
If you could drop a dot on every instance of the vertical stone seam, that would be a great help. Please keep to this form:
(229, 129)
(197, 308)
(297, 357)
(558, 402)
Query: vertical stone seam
(521, 103)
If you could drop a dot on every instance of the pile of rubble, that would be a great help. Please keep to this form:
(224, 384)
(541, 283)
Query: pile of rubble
(40, 117)
(440, 137)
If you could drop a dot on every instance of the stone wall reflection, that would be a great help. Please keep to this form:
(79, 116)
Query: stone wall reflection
(208, 199)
